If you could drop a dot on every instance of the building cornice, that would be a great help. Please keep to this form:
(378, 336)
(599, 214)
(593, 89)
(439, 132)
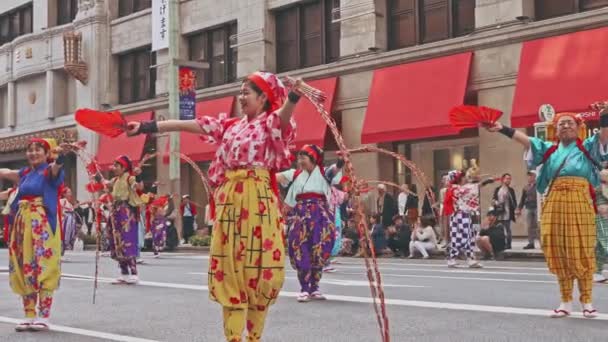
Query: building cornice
(46, 34)
(501, 35)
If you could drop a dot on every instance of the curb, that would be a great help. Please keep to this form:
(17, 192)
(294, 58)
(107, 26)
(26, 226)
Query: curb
(178, 249)
(192, 249)
(510, 254)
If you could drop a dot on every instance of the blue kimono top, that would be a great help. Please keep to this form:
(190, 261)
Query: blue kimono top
(40, 182)
(575, 162)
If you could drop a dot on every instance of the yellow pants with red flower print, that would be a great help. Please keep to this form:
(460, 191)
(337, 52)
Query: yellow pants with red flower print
(246, 270)
(34, 258)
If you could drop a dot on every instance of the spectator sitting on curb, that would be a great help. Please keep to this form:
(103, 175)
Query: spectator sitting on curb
(399, 237)
(423, 238)
(491, 238)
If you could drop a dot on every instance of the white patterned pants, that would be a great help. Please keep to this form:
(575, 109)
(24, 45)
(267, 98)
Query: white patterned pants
(462, 235)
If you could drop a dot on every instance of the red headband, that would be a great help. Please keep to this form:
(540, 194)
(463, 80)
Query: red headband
(122, 160)
(308, 149)
(45, 144)
(264, 87)
(574, 116)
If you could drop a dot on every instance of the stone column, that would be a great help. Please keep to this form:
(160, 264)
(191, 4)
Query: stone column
(42, 10)
(497, 154)
(92, 23)
(256, 38)
(491, 12)
(11, 117)
(360, 28)
(50, 94)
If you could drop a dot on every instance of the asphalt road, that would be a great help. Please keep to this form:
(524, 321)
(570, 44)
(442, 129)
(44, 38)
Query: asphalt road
(426, 301)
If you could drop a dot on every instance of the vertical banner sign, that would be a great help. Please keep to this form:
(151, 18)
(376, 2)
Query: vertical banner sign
(160, 24)
(187, 94)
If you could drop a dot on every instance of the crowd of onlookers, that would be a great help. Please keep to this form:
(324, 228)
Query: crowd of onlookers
(403, 228)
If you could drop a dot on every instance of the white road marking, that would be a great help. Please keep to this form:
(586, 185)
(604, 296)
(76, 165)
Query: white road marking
(187, 257)
(443, 265)
(452, 271)
(456, 278)
(396, 302)
(356, 283)
(83, 332)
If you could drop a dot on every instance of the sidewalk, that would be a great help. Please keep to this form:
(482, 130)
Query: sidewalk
(517, 252)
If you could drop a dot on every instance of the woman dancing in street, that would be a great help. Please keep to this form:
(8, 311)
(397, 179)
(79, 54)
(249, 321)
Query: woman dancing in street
(246, 270)
(71, 221)
(158, 224)
(311, 223)
(123, 225)
(569, 173)
(35, 242)
(462, 204)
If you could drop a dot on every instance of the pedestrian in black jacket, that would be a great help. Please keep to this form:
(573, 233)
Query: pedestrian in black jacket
(505, 204)
(386, 206)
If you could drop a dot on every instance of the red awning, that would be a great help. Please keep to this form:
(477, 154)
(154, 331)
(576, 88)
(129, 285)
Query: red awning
(191, 144)
(411, 101)
(310, 127)
(110, 148)
(564, 71)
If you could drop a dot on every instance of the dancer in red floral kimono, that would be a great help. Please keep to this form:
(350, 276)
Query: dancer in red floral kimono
(246, 270)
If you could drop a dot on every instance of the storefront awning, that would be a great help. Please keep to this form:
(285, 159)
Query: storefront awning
(411, 101)
(564, 71)
(310, 126)
(110, 148)
(190, 144)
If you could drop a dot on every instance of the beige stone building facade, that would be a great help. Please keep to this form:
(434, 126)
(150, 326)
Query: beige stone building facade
(349, 40)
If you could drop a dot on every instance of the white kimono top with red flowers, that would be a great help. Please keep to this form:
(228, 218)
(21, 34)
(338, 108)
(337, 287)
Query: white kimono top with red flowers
(256, 143)
(466, 198)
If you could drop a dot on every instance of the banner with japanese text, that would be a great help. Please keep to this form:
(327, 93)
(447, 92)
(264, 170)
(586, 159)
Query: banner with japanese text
(160, 24)
(187, 94)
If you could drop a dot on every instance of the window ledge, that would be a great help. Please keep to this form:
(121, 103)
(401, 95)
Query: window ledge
(29, 37)
(499, 36)
(131, 16)
(142, 106)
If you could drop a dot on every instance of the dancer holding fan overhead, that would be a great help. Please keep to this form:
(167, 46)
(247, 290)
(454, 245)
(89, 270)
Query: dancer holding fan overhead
(569, 172)
(249, 227)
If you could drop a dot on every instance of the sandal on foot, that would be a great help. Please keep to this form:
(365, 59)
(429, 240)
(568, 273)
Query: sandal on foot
(303, 297)
(317, 295)
(39, 326)
(559, 313)
(23, 326)
(590, 313)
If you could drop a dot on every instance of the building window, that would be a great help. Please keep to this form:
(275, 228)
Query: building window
(127, 7)
(413, 22)
(16, 23)
(306, 36)
(213, 46)
(136, 78)
(66, 11)
(546, 9)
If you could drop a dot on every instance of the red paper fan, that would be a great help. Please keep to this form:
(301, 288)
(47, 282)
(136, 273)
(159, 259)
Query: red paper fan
(94, 187)
(111, 124)
(92, 168)
(160, 202)
(472, 116)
